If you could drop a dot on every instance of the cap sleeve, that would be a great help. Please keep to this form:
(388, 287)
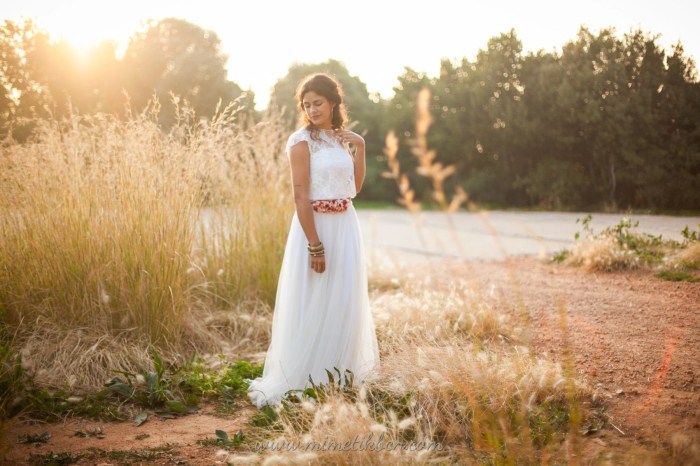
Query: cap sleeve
(296, 137)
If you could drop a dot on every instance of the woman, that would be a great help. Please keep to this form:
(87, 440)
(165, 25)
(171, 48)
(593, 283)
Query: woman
(322, 320)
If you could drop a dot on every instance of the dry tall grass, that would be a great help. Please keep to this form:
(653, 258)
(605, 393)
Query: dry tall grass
(603, 253)
(456, 369)
(116, 237)
(454, 373)
(687, 257)
(515, 408)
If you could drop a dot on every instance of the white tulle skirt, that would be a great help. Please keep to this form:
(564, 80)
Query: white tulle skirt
(321, 320)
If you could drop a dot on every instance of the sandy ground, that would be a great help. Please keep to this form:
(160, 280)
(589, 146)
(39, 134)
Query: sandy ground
(636, 338)
(181, 433)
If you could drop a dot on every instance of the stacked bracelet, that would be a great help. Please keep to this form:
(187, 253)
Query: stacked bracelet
(316, 250)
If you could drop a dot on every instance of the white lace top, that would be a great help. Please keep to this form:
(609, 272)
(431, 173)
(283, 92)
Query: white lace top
(332, 168)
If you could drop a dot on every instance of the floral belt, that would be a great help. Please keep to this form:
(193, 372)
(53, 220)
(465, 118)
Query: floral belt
(331, 205)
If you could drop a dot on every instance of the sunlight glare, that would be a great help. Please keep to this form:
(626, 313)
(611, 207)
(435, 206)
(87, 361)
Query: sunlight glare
(415, 34)
(84, 26)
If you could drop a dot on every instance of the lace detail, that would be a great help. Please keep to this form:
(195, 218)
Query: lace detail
(325, 140)
(332, 168)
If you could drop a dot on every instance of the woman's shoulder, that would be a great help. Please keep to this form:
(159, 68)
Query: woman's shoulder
(301, 134)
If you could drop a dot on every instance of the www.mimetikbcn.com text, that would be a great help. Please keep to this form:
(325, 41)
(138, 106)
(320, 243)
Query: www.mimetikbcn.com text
(358, 443)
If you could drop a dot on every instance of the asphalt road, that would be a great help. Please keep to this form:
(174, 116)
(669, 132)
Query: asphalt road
(492, 234)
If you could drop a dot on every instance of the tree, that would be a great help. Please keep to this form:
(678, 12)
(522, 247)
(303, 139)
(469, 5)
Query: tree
(476, 109)
(46, 79)
(173, 55)
(22, 94)
(676, 175)
(399, 114)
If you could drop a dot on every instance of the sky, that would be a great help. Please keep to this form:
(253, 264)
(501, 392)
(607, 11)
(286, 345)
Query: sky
(375, 39)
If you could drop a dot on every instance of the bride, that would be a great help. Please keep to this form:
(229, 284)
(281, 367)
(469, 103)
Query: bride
(322, 319)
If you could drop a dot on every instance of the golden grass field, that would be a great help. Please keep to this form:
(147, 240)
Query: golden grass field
(117, 240)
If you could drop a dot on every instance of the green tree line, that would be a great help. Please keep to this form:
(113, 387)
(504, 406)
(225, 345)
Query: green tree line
(608, 122)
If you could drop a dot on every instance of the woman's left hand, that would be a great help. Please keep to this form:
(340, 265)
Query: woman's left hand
(348, 136)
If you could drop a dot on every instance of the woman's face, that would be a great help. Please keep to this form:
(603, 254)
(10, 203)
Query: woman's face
(318, 109)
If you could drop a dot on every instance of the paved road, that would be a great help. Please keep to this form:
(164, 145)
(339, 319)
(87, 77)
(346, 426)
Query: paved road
(493, 234)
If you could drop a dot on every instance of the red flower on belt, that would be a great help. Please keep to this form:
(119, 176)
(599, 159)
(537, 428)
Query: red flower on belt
(331, 205)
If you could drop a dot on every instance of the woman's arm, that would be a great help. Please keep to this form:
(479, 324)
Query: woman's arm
(299, 161)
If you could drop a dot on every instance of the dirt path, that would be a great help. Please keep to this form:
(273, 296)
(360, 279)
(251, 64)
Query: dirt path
(181, 434)
(636, 338)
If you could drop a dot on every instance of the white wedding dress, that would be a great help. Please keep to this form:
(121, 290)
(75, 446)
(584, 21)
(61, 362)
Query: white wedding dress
(321, 320)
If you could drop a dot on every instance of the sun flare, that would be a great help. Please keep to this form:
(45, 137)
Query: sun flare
(447, 30)
(82, 33)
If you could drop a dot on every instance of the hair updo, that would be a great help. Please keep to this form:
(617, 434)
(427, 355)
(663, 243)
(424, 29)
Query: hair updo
(326, 86)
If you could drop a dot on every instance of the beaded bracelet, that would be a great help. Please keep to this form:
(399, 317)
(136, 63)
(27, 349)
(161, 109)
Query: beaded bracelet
(318, 247)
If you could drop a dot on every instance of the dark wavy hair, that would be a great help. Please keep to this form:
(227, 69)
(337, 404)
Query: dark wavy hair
(327, 86)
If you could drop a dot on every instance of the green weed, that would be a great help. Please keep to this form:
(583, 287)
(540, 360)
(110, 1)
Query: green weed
(678, 276)
(168, 390)
(266, 417)
(690, 235)
(561, 256)
(619, 247)
(34, 439)
(154, 390)
(178, 391)
(166, 452)
(12, 376)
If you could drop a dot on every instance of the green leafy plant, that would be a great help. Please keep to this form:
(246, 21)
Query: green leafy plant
(560, 256)
(266, 417)
(178, 390)
(616, 247)
(235, 379)
(586, 224)
(223, 438)
(165, 453)
(152, 390)
(12, 377)
(169, 389)
(690, 235)
(96, 432)
(34, 439)
(678, 276)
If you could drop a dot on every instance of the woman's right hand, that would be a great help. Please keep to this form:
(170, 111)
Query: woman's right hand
(318, 263)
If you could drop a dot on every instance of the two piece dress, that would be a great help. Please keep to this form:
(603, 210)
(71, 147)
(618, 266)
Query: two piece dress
(321, 321)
